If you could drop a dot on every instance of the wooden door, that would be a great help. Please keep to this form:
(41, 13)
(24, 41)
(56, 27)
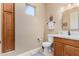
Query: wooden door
(71, 51)
(9, 7)
(58, 49)
(8, 40)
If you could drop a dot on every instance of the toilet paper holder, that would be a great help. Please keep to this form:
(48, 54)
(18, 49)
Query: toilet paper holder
(40, 40)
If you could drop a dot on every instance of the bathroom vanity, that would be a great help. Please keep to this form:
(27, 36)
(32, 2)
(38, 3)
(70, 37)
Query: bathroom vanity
(66, 46)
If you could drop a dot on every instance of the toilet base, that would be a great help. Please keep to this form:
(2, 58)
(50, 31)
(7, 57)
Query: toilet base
(46, 51)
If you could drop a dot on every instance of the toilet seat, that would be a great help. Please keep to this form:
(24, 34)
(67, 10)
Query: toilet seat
(46, 44)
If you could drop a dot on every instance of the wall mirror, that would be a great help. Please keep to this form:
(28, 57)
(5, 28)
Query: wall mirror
(70, 19)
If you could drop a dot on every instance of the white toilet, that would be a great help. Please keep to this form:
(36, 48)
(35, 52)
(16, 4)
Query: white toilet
(47, 45)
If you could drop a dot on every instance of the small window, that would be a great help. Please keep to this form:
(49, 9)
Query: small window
(30, 10)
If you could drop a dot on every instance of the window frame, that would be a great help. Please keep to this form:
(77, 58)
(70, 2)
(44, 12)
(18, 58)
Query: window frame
(27, 4)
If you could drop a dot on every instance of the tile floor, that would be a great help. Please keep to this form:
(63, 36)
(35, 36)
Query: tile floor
(41, 53)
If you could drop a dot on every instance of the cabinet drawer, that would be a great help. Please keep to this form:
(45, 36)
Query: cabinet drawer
(57, 39)
(67, 41)
(71, 51)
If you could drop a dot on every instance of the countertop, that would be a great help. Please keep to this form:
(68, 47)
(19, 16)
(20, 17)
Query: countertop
(71, 37)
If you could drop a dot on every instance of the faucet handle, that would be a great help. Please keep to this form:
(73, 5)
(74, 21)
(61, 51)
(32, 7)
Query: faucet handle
(0, 42)
(69, 32)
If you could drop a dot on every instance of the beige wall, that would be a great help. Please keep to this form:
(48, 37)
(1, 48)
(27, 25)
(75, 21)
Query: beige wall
(28, 28)
(55, 11)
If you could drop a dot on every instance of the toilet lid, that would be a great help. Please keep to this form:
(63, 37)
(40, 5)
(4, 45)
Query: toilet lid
(46, 43)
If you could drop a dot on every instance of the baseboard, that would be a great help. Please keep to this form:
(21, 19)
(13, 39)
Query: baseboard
(31, 52)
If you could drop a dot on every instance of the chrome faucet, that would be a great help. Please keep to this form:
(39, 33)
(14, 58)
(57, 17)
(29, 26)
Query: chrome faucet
(69, 32)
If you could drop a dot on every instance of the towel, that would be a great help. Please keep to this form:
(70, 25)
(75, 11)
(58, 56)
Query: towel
(51, 25)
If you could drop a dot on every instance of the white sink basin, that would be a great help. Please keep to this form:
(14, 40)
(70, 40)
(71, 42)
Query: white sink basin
(73, 37)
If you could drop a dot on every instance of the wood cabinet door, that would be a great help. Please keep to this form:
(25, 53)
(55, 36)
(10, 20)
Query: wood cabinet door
(71, 51)
(58, 49)
(8, 7)
(8, 32)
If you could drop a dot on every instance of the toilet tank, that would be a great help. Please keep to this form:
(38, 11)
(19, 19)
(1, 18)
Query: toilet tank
(50, 38)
